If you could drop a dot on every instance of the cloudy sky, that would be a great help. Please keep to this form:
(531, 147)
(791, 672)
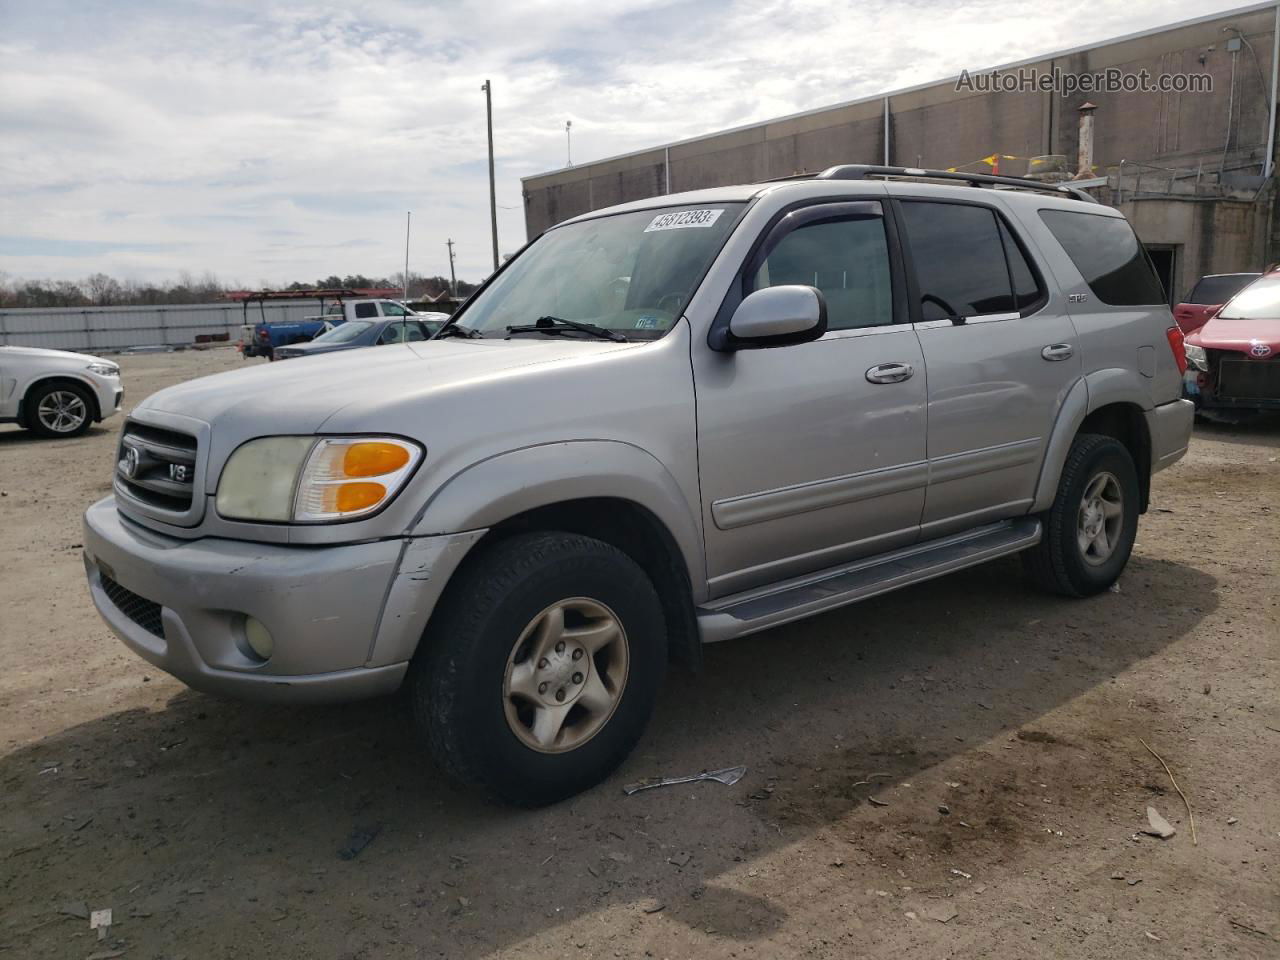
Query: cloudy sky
(268, 142)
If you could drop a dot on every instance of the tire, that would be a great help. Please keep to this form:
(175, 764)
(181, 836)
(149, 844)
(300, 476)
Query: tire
(480, 692)
(1063, 562)
(58, 409)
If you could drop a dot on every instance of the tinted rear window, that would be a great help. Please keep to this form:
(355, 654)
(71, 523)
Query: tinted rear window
(1220, 289)
(1108, 255)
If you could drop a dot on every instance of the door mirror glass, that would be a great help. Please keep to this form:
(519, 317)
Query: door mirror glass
(776, 316)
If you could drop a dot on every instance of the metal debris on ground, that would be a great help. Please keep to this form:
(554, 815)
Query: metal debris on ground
(728, 776)
(1115, 587)
(1158, 826)
(876, 801)
(655, 906)
(359, 839)
(941, 912)
(1232, 821)
(961, 873)
(944, 809)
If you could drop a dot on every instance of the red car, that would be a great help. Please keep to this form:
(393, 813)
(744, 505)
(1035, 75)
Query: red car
(1207, 297)
(1233, 360)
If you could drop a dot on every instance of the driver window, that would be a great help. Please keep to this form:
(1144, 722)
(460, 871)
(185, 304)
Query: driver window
(848, 260)
(415, 331)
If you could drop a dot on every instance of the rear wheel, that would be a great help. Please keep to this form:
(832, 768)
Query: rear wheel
(59, 410)
(1090, 529)
(540, 670)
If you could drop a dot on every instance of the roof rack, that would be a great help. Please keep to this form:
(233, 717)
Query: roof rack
(861, 171)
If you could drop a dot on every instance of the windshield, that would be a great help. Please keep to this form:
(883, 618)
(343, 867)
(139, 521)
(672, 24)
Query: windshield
(631, 272)
(1258, 301)
(1220, 289)
(345, 333)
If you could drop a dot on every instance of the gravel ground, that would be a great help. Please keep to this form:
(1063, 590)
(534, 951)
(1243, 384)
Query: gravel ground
(952, 770)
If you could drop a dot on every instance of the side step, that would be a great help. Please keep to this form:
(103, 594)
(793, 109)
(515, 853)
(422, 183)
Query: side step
(779, 603)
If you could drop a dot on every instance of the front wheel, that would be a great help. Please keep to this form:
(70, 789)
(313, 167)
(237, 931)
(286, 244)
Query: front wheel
(1090, 529)
(59, 410)
(539, 672)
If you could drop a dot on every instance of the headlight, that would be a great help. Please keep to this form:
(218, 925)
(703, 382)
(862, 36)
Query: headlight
(104, 369)
(314, 479)
(1196, 356)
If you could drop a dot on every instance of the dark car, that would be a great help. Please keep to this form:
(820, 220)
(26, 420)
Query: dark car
(367, 333)
(1207, 297)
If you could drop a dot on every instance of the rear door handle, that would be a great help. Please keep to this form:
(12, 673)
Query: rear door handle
(890, 373)
(1057, 351)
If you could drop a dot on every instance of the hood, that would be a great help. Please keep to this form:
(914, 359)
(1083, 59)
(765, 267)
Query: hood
(39, 353)
(1229, 333)
(287, 397)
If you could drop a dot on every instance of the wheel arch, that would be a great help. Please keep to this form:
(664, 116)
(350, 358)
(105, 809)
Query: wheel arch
(95, 410)
(1108, 402)
(613, 491)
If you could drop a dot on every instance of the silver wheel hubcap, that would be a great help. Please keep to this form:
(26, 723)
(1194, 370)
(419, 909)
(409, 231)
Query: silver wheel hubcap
(1099, 521)
(62, 411)
(565, 675)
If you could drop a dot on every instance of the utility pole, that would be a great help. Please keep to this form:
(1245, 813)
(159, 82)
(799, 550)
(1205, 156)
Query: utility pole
(493, 196)
(568, 144)
(453, 279)
(408, 215)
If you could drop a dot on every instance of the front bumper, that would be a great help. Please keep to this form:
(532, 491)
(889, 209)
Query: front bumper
(110, 396)
(180, 604)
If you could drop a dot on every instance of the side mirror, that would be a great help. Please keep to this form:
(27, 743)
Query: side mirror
(777, 316)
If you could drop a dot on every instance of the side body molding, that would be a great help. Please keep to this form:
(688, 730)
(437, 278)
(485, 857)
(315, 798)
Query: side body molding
(493, 490)
(1089, 393)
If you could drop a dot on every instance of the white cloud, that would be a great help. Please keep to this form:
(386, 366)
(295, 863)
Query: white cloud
(286, 142)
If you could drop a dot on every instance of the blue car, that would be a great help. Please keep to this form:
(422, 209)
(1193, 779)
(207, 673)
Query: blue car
(355, 334)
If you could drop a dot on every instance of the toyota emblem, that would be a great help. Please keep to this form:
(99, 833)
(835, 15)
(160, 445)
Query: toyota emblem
(1260, 349)
(129, 463)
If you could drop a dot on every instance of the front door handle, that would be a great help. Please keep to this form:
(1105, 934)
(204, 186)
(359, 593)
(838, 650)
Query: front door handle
(890, 373)
(1058, 351)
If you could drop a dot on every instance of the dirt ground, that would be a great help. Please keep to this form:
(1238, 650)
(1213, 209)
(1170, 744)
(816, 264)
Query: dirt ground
(967, 749)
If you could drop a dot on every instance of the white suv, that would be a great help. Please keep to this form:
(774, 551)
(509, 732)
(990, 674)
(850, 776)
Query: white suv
(56, 393)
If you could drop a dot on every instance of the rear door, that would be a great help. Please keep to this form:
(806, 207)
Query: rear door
(812, 454)
(1000, 354)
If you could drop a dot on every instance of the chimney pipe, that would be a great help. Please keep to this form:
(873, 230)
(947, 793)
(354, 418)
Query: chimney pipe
(1084, 156)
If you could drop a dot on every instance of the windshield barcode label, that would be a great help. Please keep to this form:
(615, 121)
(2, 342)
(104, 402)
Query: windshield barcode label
(682, 219)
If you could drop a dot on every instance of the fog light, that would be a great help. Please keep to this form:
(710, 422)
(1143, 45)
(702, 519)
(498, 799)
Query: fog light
(258, 638)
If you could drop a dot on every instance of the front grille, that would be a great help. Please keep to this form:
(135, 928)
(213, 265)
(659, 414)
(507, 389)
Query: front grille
(140, 610)
(1249, 379)
(157, 466)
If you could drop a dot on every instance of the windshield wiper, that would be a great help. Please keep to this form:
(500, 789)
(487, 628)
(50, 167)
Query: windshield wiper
(457, 330)
(554, 324)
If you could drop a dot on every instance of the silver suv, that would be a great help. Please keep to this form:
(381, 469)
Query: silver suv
(664, 424)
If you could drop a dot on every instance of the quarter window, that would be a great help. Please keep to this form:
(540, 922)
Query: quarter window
(1027, 292)
(959, 260)
(1108, 255)
(848, 260)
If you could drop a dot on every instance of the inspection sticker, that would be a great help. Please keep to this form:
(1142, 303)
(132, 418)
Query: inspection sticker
(682, 219)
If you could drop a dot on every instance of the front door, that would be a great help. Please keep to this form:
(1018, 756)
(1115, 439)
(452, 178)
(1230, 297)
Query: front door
(1000, 356)
(813, 454)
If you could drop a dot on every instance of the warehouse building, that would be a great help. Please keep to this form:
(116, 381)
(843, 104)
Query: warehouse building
(1191, 167)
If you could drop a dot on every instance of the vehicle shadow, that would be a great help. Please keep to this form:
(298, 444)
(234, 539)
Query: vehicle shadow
(12, 435)
(1262, 432)
(221, 823)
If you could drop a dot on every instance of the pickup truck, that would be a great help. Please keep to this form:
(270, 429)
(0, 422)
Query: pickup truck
(261, 339)
(663, 424)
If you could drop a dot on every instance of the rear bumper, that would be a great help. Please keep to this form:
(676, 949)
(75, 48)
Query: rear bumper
(1169, 425)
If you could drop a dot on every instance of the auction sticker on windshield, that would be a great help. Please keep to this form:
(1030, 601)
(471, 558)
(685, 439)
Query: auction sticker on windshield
(682, 219)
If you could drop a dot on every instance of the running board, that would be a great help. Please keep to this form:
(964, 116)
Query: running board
(779, 603)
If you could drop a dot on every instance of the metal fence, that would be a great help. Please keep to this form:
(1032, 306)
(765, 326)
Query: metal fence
(108, 329)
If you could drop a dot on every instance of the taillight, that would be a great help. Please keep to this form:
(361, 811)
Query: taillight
(1179, 350)
(263, 335)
